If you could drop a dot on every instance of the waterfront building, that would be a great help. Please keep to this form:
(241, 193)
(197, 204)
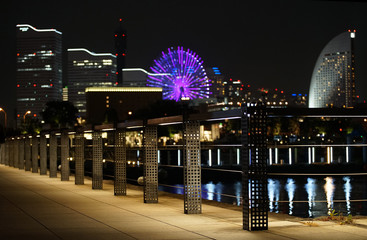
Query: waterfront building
(134, 77)
(273, 98)
(38, 69)
(297, 100)
(117, 104)
(88, 69)
(236, 92)
(333, 79)
(217, 87)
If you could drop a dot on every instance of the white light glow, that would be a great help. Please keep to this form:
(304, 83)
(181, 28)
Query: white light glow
(238, 156)
(210, 158)
(159, 156)
(24, 28)
(218, 157)
(290, 155)
(89, 52)
(144, 71)
(179, 157)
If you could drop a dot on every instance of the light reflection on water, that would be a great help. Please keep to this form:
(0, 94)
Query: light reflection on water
(273, 193)
(329, 188)
(311, 194)
(306, 197)
(291, 188)
(347, 191)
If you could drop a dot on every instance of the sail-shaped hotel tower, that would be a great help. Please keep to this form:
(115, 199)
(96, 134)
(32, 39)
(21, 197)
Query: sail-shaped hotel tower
(333, 78)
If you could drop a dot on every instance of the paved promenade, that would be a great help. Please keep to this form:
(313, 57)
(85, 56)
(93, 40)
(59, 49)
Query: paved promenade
(39, 207)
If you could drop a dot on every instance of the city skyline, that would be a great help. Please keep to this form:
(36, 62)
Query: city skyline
(239, 39)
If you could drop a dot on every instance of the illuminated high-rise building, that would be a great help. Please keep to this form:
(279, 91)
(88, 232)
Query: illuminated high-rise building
(333, 79)
(38, 69)
(88, 69)
(217, 87)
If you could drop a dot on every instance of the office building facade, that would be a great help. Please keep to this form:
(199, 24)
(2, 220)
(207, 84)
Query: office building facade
(333, 79)
(88, 69)
(38, 69)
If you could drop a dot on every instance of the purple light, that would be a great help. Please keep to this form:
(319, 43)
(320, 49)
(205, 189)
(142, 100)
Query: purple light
(187, 77)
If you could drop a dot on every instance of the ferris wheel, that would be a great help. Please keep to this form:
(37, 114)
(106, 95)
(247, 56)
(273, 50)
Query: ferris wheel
(181, 75)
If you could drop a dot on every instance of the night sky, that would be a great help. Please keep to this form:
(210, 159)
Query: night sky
(271, 44)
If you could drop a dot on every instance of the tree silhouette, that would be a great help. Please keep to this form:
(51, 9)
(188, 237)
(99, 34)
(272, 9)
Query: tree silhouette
(60, 114)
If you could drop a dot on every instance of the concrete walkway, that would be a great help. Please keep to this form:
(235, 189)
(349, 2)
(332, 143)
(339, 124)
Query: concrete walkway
(39, 207)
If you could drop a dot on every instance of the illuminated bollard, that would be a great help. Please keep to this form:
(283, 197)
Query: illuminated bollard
(192, 167)
(53, 155)
(150, 165)
(43, 155)
(79, 158)
(34, 154)
(97, 168)
(120, 163)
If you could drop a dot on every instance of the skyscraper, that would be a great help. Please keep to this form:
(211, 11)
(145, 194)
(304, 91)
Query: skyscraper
(217, 87)
(39, 69)
(88, 69)
(333, 79)
(120, 45)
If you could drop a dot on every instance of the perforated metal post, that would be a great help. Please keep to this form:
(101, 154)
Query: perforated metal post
(79, 158)
(43, 155)
(6, 152)
(11, 152)
(254, 160)
(53, 155)
(16, 153)
(150, 165)
(97, 178)
(192, 167)
(35, 152)
(120, 163)
(28, 154)
(21, 153)
(65, 167)
(2, 153)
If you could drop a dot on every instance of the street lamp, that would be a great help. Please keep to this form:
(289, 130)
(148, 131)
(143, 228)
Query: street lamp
(25, 114)
(2, 110)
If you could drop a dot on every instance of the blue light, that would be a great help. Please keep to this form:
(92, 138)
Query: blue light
(293, 95)
(214, 68)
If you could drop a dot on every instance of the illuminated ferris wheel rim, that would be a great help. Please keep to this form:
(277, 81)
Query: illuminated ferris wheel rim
(187, 77)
